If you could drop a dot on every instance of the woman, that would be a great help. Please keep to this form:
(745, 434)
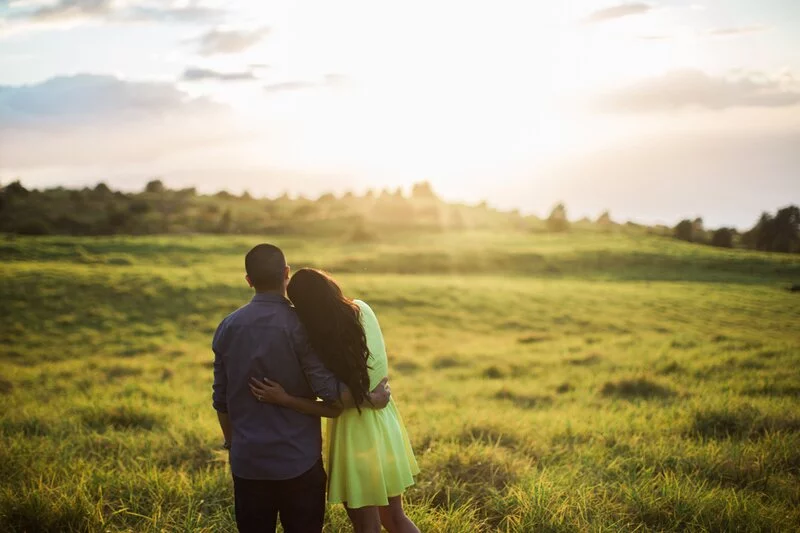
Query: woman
(370, 460)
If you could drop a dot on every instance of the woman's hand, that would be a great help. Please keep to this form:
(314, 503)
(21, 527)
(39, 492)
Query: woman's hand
(267, 391)
(380, 395)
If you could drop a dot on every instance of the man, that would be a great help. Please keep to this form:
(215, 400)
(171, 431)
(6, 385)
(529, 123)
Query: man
(275, 453)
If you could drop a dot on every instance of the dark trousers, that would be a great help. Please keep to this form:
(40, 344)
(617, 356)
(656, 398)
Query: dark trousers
(300, 503)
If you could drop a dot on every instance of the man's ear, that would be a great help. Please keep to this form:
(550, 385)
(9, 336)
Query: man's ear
(286, 272)
(249, 283)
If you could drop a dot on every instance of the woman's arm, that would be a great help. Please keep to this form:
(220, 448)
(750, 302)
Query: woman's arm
(272, 392)
(267, 391)
(378, 398)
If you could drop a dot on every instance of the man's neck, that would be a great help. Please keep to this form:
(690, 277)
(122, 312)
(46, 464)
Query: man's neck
(273, 292)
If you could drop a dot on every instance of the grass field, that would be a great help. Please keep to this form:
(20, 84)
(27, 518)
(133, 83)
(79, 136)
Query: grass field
(580, 382)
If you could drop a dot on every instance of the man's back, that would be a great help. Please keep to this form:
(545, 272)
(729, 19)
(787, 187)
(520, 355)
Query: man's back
(265, 338)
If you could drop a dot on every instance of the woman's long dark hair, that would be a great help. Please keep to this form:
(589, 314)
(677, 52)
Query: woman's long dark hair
(334, 328)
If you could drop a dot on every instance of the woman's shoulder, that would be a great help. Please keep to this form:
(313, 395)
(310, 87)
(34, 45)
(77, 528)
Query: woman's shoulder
(364, 306)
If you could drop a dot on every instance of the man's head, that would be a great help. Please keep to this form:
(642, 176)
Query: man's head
(266, 268)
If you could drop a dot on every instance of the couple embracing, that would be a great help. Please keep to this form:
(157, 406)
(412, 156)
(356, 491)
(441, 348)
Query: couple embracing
(282, 363)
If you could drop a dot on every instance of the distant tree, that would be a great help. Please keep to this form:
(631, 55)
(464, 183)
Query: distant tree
(755, 237)
(77, 198)
(557, 221)
(360, 231)
(456, 218)
(604, 219)
(155, 187)
(245, 196)
(393, 207)
(684, 230)
(423, 191)
(140, 207)
(224, 195)
(117, 220)
(369, 194)
(698, 231)
(723, 238)
(780, 233)
(787, 230)
(34, 227)
(71, 224)
(15, 188)
(326, 198)
(305, 210)
(102, 189)
(225, 222)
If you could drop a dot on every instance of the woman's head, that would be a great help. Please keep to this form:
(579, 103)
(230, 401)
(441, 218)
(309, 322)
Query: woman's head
(334, 327)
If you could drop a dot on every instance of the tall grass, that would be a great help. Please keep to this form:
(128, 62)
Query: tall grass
(580, 382)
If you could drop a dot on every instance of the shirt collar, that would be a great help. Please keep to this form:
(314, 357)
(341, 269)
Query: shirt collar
(269, 297)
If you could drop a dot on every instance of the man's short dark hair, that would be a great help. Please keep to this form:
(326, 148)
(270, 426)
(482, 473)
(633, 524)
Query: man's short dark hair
(265, 265)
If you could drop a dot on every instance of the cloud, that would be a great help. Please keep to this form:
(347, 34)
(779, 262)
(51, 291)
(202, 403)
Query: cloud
(616, 12)
(690, 88)
(86, 118)
(229, 41)
(738, 30)
(203, 74)
(86, 98)
(289, 86)
(329, 80)
(654, 37)
(178, 13)
(32, 15)
(72, 9)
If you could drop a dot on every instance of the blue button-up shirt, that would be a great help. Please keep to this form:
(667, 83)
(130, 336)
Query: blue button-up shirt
(266, 339)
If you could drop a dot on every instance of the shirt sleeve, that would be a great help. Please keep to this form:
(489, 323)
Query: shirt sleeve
(321, 380)
(220, 395)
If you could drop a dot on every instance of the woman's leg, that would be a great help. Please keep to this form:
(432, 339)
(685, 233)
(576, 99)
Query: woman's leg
(364, 519)
(394, 519)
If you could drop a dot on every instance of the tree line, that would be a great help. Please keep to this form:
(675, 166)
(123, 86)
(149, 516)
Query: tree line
(158, 209)
(771, 233)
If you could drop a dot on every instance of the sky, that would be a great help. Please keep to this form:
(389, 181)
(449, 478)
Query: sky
(656, 110)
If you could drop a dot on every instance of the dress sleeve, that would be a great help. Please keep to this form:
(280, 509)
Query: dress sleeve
(375, 341)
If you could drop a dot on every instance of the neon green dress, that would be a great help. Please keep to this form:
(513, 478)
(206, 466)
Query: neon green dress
(369, 455)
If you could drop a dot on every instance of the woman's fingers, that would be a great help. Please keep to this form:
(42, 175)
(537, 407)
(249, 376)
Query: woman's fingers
(264, 382)
(264, 385)
(273, 384)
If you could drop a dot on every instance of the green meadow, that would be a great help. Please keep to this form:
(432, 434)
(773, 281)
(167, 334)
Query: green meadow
(584, 381)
